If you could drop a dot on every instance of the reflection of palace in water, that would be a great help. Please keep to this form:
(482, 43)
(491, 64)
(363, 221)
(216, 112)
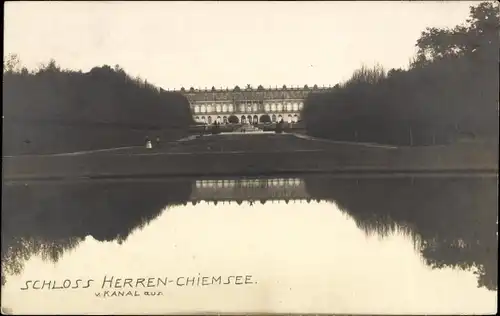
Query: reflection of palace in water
(452, 221)
(259, 189)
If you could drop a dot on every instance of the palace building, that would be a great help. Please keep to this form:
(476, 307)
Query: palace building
(248, 105)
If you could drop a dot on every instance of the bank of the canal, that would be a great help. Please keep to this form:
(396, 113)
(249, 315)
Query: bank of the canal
(254, 155)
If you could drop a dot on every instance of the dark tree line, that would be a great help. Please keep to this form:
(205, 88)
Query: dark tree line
(449, 93)
(56, 110)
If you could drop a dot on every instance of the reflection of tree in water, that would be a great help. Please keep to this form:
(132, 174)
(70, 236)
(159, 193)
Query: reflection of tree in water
(453, 221)
(21, 250)
(50, 218)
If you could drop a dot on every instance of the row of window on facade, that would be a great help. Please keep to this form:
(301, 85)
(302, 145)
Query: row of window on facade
(247, 183)
(223, 108)
(248, 119)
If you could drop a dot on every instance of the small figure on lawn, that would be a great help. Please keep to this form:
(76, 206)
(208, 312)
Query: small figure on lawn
(148, 143)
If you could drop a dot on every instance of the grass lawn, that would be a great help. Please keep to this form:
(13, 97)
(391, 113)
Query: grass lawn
(254, 155)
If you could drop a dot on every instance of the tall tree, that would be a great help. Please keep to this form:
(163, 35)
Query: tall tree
(11, 63)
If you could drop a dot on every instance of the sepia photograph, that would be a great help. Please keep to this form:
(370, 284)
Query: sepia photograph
(250, 157)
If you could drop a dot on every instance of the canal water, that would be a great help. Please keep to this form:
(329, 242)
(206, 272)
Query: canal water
(310, 244)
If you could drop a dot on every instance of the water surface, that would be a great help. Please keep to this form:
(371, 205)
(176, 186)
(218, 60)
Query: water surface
(314, 244)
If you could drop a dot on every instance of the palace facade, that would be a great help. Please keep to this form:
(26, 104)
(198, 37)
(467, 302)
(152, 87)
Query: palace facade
(248, 105)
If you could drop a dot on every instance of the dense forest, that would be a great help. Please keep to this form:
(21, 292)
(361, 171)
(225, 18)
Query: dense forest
(53, 110)
(448, 93)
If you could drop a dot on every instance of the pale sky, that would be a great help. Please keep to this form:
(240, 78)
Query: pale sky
(205, 44)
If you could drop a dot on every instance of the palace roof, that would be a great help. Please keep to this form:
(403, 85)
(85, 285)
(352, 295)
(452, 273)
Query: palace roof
(237, 93)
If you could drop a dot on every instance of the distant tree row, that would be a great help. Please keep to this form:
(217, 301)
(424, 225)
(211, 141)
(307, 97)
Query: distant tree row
(104, 95)
(449, 92)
